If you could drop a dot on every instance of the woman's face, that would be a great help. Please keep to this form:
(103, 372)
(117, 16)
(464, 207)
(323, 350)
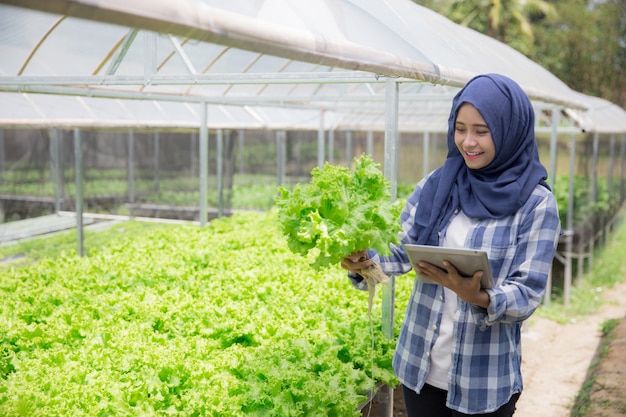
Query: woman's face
(473, 138)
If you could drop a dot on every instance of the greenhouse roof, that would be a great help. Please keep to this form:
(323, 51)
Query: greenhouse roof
(257, 64)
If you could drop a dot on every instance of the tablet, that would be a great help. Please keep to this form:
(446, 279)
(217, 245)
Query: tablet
(466, 261)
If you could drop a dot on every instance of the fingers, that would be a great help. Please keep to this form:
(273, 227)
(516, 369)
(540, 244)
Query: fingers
(450, 268)
(467, 288)
(477, 277)
(448, 276)
(430, 271)
(356, 261)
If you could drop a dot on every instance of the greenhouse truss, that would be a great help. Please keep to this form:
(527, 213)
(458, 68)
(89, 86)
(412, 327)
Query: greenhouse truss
(333, 66)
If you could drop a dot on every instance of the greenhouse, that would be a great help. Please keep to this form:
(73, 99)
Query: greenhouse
(193, 112)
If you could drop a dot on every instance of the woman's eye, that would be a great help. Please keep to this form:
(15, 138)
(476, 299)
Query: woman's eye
(483, 132)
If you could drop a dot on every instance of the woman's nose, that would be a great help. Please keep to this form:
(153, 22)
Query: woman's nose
(469, 140)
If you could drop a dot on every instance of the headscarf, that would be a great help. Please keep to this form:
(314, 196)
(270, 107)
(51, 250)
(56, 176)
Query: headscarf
(498, 189)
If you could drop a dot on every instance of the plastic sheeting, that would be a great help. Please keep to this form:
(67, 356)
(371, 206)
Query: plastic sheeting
(274, 56)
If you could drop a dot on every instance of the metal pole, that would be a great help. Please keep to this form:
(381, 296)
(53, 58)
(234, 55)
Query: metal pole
(62, 168)
(78, 175)
(348, 148)
(157, 167)
(204, 162)
(281, 152)
(554, 137)
(426, 155)
(569, 232)
(55, 168)
(193, 157)
(391, 172)
(369, 143)
(320, 141)
(150, 59)
(1, 155)
(220, 172)
(611, 195)
(240, 151)
(594, 169)
(622, 175)
(556, 112)
(610, 168)
(391, 135)
(331, 146)
(2, 214)
(594, 193)
(131, 169)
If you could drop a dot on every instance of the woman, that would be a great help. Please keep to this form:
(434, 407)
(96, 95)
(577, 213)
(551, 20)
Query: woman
(459, 349)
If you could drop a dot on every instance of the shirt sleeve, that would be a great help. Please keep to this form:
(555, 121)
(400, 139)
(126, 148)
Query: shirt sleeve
(521, 292)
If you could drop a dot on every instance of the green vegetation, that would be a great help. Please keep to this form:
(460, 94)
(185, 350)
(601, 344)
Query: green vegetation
(584, 205)
(64, 243)
(579, 41)
(250, 192)
(187, 321)
(179, 189)
(586, 297)
(340, 212)
(155, 315)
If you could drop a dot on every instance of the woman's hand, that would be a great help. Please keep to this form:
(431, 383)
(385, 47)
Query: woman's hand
(468, 289)
(356, 261)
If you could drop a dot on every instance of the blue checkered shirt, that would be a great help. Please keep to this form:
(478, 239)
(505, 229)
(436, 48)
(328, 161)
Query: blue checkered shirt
(486, 351)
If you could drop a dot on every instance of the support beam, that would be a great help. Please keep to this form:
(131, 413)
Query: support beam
(391, 172)
(320, 141)
(78, 175)
(220, 172)
(204, 163)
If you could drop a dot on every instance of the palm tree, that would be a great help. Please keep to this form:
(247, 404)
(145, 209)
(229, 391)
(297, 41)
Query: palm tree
(509, 21)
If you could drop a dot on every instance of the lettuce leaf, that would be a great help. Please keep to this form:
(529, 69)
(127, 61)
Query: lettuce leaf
(340, 212)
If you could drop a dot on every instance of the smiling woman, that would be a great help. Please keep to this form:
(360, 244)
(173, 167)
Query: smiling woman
(459, 348)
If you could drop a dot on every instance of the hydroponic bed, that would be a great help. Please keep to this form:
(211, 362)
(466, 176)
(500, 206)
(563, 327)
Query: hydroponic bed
(187, 321)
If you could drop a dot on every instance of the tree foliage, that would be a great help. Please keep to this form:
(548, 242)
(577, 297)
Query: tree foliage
(582, 42)
(586, 47)
(509, 21)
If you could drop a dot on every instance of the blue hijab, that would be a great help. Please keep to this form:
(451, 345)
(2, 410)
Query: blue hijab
(502, 187)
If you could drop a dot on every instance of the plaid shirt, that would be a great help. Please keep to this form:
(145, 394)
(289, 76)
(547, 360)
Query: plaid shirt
(486, 351)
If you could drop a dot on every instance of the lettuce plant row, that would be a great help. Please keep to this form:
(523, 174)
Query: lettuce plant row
(217, 321)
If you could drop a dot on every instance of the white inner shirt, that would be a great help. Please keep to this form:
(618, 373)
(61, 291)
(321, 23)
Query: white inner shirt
(441, 355)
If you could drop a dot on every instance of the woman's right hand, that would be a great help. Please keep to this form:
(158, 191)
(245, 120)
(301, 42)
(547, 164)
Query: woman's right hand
(356, 261)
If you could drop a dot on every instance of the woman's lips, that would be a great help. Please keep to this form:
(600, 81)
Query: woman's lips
(472, 155)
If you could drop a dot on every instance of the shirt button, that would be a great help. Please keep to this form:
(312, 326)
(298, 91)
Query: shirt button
(427, 353)
(441, 298)
(434, 327)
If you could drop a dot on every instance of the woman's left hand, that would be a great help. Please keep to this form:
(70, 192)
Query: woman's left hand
(467, 288)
